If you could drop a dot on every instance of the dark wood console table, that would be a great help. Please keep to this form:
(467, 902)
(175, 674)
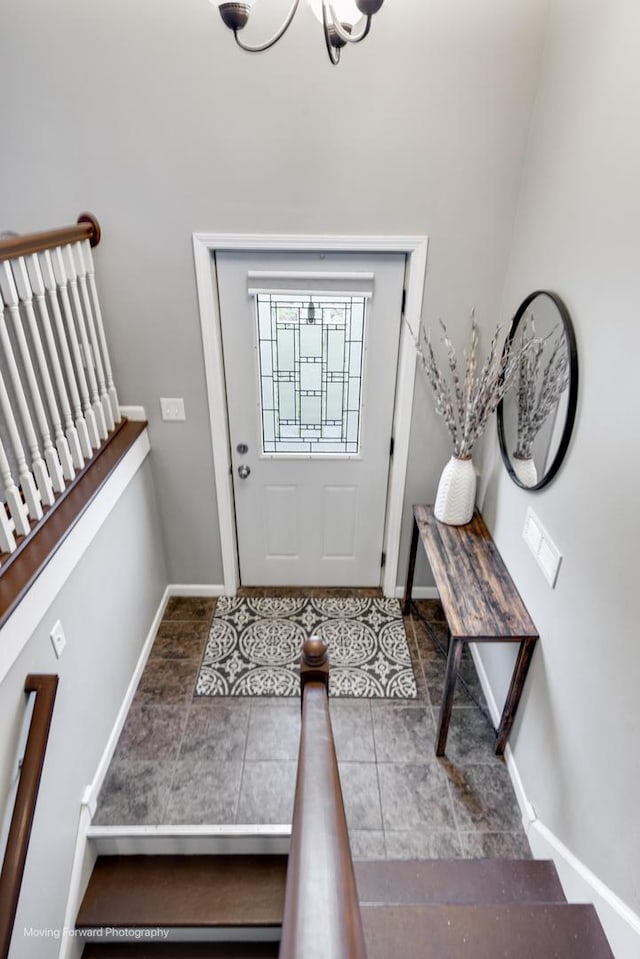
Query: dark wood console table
(480, 602)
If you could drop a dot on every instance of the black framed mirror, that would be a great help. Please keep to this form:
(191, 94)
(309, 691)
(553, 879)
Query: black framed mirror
(536, 417)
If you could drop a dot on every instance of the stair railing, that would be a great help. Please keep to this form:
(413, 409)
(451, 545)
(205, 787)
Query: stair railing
(44, 687)
(321, 913)
(58, 401)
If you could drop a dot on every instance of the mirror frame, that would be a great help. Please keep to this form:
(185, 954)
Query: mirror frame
(572, 400)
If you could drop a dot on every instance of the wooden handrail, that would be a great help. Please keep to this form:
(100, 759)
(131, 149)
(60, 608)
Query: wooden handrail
(87, 228)
(44, 686)
(321, 912)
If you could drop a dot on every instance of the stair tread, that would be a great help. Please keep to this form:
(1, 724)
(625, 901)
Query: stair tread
(513, 931)
(402, 882)
(181, 950)
(185, 891)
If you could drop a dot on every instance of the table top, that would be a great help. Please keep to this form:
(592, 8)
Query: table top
(478, 595)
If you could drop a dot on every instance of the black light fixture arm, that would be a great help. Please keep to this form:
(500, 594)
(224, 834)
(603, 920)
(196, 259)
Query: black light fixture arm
(260, 47)
(333, 27)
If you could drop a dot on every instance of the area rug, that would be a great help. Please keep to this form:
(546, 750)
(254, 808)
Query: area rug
(254, 647)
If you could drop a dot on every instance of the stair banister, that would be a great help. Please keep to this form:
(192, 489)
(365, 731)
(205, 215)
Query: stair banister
(321, 913)
(44, 687)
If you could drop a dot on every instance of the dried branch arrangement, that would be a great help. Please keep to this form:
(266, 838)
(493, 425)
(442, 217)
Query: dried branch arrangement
(536, 403)
(467, 400)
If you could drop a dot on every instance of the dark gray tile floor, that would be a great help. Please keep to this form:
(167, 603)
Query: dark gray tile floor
(202, 760)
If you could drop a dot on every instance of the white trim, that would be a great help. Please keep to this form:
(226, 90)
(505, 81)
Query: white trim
(19, 628)
(190, 840)
(84, 859)
(580, 884)
(137, 414)
(418, 592)
(206, 244)
(205, 590)
(91, 793)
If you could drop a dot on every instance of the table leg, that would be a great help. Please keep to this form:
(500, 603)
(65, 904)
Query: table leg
(453, 665)
(515, 690)
(412, 568)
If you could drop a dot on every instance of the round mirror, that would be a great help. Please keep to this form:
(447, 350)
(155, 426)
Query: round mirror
(536, 416)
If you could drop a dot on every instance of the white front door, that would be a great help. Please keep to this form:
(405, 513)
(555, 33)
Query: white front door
(310, 346)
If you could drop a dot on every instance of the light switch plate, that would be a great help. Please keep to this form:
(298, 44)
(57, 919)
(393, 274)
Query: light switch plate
(545, 551)
(172, 408)
(58, 639)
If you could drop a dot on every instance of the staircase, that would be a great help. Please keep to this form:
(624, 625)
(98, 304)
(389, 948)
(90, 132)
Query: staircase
(447, 909)
(314, 903)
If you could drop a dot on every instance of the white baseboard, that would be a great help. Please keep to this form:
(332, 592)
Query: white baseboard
(206, 590)
(137, 414)
(580, 884)
(419, 592)
(190, 840)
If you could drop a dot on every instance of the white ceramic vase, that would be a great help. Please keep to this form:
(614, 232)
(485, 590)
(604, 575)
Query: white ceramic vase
(456, 495)
(525, 470)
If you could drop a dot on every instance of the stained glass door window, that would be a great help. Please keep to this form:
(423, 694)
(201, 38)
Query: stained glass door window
(311, 350)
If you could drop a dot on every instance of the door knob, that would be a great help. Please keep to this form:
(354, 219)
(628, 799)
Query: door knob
(243, 471)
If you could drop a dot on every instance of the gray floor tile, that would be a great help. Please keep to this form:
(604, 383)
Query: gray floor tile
(361, 795)
(483, 798)
(216, 732)
(166, 682)
(422, 844)
(495, 845)
(190, 607)
(203, 792)
(180, 640)
(274, 732)
(135, 792)
(266, 793)
(367, 843)
(352, 730)
(152, 733)
(414, 797)
(471, 740)
(403, 734)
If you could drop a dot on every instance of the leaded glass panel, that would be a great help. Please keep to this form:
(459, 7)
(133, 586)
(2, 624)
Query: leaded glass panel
(310, 350)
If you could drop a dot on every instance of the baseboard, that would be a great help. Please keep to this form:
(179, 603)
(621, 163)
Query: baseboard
(419, 592)
(136, 414)
(190, 840)
(195, 589)
(580, 884)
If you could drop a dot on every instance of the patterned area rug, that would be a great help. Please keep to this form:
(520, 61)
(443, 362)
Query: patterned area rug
(254, 647)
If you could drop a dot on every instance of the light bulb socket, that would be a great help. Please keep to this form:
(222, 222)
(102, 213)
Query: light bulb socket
(335, 40)
(369, 7)
(234, 15)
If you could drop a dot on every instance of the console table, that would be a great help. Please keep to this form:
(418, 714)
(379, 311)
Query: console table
(481, 605)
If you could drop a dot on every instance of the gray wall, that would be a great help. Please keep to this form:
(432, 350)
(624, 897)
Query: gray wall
(576, 741)
(106, 608)
(147, 114)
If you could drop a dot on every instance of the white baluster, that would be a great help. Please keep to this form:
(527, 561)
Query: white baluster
(89, 362)
(81, 272)
(58, 466)
(29, 488)
(42, 478)
(60, 274)
(70, 453)
(19, 521)
(86, 452)
(91, 276)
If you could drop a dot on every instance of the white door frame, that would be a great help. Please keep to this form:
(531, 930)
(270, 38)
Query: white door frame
(415, 249)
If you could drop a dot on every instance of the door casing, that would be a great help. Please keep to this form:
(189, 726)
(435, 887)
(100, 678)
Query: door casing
(204, 246)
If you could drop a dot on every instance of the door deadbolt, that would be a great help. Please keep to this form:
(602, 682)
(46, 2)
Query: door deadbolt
(242, 448)
(243, 471)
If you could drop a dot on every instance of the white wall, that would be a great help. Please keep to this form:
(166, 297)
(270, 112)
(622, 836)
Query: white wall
(576, 739)
(148, 115)
(106, 608)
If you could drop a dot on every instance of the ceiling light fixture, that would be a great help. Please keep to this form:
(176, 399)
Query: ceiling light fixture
(338, 18)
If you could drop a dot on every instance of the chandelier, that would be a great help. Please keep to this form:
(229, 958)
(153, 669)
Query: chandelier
(339, 19)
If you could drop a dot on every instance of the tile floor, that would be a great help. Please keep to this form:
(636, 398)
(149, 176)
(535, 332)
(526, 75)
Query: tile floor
(195, 760)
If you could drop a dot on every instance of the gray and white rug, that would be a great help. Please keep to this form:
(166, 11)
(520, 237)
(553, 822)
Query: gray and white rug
(254, 647)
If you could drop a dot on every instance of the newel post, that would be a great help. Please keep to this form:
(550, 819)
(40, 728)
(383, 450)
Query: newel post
(314, 663)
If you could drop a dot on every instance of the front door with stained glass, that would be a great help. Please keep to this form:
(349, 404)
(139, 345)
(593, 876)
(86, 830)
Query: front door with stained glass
(310, 352)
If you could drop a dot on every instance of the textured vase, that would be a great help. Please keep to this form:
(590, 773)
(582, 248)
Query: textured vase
(525, 470)
(456, 492)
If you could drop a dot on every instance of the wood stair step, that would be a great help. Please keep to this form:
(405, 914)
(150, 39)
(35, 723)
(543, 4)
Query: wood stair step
(181, 950)
(480, 881)
(184, 892)
(549, 931)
